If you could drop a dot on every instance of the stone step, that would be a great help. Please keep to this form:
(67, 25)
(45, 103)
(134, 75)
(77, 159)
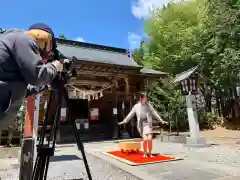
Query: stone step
(172, 138)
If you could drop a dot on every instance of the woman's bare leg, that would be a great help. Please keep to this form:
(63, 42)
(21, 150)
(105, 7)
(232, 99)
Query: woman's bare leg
(145, 140)
(149, 144)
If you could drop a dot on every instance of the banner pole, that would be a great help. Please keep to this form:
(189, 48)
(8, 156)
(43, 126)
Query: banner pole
(28, 149)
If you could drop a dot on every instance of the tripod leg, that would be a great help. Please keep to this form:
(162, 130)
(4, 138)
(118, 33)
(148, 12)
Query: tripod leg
(46, 167)
(81, 148)
(47, 150)
(37, 174)
(79, 142)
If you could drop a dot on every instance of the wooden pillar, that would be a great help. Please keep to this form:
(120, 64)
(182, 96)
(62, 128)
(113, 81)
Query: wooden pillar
(115, 112)
(146, 85)
(28, 151)
(129, 101)
(132, 120)
(122, 106)
(127, 89)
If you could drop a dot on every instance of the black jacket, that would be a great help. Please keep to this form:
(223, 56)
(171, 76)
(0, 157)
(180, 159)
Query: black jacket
(20, 65)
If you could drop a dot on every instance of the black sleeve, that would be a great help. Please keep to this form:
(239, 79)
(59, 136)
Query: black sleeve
(30, 62)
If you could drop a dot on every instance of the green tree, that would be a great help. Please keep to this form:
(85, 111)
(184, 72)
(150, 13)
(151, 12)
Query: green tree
(62, 36)
(169, 102)
(204, 33)
(18, 124)
(138, 54)
(221, 55)
(173, 32)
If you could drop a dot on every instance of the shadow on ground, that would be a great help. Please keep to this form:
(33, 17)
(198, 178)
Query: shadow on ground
(65, 158)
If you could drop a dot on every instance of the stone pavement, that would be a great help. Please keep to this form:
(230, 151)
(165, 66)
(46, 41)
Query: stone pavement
(68, 165)
(212, 163)
(218, 162)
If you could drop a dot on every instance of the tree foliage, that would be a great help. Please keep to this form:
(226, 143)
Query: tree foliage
(18, 124)
(62, 36)
(173, 32)
(200, 32)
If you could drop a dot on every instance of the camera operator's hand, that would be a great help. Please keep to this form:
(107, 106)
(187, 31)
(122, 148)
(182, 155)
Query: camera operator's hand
(58, 65)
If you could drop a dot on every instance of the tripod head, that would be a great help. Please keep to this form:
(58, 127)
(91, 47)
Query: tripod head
(69, 68)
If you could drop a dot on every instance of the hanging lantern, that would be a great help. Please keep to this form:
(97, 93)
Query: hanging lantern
(123, 105)
(190, 85)
(238, 90)
(75, 94)
(84, 95)
(81, 95)
(45, 104)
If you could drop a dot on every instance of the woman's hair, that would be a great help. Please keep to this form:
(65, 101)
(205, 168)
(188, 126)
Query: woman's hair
(142, 95)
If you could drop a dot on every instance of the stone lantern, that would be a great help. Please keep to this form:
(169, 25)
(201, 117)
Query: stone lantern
(189, 83)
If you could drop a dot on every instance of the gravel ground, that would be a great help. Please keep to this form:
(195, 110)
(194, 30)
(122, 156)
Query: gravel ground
(209, 163)
(225, 155)
(69, 170)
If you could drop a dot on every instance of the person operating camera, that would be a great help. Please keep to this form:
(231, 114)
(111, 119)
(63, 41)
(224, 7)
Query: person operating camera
(21, 54)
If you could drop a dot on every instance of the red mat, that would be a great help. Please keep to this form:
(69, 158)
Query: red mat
(138, 159)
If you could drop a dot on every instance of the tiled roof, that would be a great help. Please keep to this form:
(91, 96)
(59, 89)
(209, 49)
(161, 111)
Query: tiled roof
(152, 71)
(101, 54)
(186, 74)
(96, 54)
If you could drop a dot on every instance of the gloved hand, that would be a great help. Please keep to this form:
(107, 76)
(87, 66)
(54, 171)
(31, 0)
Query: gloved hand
(58, 65)
(32, 90)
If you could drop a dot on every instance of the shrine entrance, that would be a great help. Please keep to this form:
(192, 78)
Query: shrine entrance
(79, 108)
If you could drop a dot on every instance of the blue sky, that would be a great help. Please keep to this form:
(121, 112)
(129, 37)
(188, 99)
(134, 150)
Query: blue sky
(115, 23)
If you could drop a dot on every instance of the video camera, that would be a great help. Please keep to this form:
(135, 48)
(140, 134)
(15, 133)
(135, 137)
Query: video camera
(69, 69)
(68, 64)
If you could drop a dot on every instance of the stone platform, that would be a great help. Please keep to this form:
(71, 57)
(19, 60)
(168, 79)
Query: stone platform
(208, 163)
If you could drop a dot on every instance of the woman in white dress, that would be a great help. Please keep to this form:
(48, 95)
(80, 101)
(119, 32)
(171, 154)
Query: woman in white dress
(144, 112)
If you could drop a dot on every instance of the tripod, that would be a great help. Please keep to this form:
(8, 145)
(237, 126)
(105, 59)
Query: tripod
(45, 151)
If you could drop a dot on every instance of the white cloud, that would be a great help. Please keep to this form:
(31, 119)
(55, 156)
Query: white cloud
(141, 9)
(80, 39)
(134, 40)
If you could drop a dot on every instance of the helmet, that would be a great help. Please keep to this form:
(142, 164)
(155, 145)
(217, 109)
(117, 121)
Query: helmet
(45, 28)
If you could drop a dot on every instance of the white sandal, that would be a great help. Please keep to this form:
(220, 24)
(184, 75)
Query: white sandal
(145, 155)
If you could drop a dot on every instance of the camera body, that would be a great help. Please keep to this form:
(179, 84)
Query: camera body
(68, 64)
(69, 69)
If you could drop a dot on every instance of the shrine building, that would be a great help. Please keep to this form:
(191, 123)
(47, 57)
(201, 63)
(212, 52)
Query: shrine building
(107, 85)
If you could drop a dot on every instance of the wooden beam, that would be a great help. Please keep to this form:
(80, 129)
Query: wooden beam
(87, 72)
(114, 73)
(91, 83)
(97, 69)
